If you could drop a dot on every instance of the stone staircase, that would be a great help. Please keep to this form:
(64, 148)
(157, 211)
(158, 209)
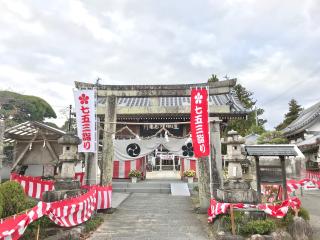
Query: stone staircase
(146, 186)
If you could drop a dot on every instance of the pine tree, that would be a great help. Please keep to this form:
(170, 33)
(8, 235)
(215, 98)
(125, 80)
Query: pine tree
(253, 124)
(213, 78)
(294, 111)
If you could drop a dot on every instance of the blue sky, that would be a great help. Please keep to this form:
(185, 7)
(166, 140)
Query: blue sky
(271, 47)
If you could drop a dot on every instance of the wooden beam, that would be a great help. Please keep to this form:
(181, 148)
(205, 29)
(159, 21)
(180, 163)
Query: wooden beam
(24, 152)
(258, 177)
(51, 151)
(284, 178)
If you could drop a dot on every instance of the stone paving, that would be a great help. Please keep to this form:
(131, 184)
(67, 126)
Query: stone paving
(310, 201)
(152, 216)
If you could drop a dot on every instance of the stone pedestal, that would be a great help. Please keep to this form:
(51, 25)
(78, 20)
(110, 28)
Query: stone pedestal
(67, 170)
(237, 196)
(64, 188)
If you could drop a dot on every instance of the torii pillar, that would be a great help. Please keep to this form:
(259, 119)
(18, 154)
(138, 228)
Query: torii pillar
(110, 117)
(216, 167)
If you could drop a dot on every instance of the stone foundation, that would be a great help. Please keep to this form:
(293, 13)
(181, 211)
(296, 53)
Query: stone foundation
(237, 196)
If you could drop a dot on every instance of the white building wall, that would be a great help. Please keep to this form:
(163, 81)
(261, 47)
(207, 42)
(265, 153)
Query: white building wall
(315, 126)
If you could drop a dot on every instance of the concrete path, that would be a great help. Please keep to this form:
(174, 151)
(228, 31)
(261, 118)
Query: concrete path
(152, 216)
(310, 201)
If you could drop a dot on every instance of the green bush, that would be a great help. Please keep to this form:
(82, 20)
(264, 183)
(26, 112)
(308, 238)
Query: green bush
(304, 214)
(245, 225)
(258, 227)
(1, 204)
(31, 231)
(135, 173)
(93, 223)
(288, 219)
(14, 198)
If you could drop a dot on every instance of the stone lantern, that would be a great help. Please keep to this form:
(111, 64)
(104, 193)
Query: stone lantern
(69, 155)
(234, 155)
(65, 185)
(236, 189)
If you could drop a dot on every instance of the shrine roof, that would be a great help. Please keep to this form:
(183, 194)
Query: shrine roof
(306, 119)
(28, 129)
(229, 99)
(272, 150)
(309, 143)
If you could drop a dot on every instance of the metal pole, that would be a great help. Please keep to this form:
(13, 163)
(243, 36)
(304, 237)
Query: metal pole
(97, 136)
(70, 109)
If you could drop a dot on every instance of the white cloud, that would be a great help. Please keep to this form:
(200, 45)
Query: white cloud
(270, 46)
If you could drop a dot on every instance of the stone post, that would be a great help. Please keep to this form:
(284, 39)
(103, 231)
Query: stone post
(216, 165)
(91, 168)
(204, 183)
(1, 144)
(108, 149)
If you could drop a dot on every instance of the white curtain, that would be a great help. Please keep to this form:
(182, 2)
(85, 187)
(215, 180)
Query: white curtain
(130, 149)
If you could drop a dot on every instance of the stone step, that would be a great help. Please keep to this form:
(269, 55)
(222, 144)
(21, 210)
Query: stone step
(180, 189)
(142, 190)
(145, 187)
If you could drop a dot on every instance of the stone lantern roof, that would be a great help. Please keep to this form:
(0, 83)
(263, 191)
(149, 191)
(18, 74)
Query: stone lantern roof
(69, 139)
(232, 132)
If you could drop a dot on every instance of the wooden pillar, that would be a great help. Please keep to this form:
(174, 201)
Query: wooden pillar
(108, 149)
(258, 178)
(284, 178)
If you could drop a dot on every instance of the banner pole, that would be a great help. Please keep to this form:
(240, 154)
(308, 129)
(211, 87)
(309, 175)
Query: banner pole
(210, 158)
(97, 136)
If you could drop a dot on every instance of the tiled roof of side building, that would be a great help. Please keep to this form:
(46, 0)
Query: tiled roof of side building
(272, 150)
(305, 119)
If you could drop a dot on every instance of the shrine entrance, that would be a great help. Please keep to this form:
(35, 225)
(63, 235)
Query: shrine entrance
(163, 164)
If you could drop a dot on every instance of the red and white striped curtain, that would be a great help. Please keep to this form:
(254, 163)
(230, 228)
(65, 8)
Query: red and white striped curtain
(33, 186)
(121, 169)
(188, 164)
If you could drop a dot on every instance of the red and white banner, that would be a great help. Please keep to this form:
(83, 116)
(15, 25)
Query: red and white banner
(33, 186)
(73, 211)
(12, 228)
(65, 213)
(86, 119)
(199, 122)
(275, 210)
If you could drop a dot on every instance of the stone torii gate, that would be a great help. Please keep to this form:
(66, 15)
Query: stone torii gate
(112, 93)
